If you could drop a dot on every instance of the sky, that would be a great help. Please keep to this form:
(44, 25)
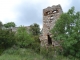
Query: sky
(27, 12)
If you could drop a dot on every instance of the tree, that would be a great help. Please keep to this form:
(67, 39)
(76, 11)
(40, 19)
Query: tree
(9, 25)
(1, 24)
(67, 31)
(35, 29)
(23, 38)
(6, 39)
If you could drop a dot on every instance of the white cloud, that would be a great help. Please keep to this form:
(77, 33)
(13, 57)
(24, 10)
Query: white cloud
(64, 3)
(6, 13)
(7, 6)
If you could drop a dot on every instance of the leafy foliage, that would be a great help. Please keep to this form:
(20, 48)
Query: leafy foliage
(20, 54)
(36, 44)
(66, 30)
(9, 25)
(6, 38)
(35, 29)
(23, 37)
(1, 24)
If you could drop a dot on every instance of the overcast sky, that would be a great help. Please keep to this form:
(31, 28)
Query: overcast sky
(27, 12)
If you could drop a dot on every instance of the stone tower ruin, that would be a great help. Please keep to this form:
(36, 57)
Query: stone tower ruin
(50, 15)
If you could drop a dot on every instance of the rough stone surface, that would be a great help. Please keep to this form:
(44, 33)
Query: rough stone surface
(50, 15)
(14, 29)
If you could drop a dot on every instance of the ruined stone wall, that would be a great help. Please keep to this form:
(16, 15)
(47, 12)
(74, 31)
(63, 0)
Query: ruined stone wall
(50, 15)
(14, 29)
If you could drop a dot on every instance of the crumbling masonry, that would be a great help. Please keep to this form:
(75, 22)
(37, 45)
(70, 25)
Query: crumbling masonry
(50, 15)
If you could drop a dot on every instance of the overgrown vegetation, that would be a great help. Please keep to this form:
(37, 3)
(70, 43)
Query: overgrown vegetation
(9, 25)
(6, 39)
(35, 29)
(24, 44)
(52, 54)
(67, 32)
(20, 54)
(23, 38)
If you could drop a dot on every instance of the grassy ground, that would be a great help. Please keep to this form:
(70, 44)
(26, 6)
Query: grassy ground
(27, 54)
(20, 54)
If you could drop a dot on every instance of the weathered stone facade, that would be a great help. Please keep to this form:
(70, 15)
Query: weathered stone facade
(14, 29)
(50, 15)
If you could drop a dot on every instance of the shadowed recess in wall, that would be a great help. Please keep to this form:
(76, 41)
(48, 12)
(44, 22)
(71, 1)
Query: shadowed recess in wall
(49, 40)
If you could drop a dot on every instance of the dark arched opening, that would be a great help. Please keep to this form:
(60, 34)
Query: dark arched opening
(49, 40)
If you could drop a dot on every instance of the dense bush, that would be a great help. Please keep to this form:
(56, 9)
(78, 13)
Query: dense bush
(1, 24)
(23, 38)
(6, 38)
(48, 53)
(67, 32)
(9, 25)
(35, 29)
(36, 44)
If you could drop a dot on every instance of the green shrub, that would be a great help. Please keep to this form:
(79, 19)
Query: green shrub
(48, 53)
(20, 54)
(36, 44)
(23, 38)
(6, 38)
(67, 32)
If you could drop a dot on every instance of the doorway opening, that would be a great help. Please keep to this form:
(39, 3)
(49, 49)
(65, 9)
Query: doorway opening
(49, 40)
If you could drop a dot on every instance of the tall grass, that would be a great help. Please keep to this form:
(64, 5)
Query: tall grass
(20, 54)
(51, 54)
(28, 54)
